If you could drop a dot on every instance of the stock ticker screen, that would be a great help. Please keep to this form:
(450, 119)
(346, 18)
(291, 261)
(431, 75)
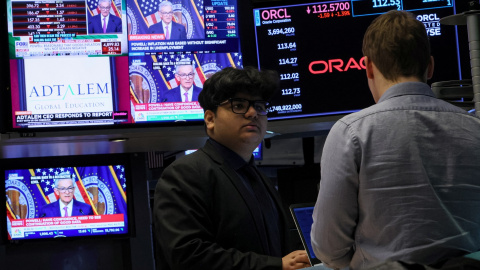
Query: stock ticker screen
(317, 49)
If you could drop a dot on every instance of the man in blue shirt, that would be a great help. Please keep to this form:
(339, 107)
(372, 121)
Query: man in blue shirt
(400, 180)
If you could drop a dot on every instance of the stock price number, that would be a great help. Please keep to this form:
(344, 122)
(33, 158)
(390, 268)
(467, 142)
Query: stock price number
(332, 7)
(285, 108)
(386, 3)
(291, 91)
(287, 46)
(289, 76)
(282, 31)
(288, 61)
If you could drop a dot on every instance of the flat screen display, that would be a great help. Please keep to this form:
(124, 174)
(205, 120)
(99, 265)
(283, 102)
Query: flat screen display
(317, 49)
(96, 63)
(96, 196)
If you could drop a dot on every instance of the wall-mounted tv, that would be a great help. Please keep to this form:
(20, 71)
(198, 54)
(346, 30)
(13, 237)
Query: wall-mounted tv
(77, 196)
(70, 68)
(316, 46)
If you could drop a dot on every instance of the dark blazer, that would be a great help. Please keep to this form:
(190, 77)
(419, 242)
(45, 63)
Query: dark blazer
(174, 94)
(95, 25)
(53, 209)
(205, 217)
(178, 30)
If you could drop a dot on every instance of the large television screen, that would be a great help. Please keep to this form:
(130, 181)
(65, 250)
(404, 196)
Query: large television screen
(66, 199)
(111, 63)
(316, 46)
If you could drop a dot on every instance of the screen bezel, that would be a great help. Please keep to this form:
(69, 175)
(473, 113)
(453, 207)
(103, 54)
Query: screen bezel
(7, 123)
(71, 161)
(250, 54)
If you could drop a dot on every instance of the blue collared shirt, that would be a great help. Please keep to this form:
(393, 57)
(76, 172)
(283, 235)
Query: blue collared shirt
(400, 180)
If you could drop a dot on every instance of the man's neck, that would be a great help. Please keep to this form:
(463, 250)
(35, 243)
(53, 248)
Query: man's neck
(64, 203)
(185, 89)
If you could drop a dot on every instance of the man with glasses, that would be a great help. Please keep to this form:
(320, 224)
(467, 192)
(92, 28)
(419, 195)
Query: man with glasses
(186, 91)
(66, 205)
(105, 22)
(167, 26)
(214, 209)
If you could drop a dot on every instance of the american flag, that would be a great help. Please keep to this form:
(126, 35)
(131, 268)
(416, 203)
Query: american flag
(120, 174)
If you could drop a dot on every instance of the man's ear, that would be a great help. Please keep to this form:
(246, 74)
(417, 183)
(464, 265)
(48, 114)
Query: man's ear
(209, 118)
(430, 69)
(369, 67)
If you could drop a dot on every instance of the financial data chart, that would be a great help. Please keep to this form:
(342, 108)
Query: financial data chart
(317, 49)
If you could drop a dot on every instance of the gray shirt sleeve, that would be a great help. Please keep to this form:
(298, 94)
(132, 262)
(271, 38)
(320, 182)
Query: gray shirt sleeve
(336, 209)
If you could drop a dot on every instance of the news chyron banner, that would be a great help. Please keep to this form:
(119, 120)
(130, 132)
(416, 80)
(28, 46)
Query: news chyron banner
(69, 91)
(155, 83)
(66, 27)
(101, 187)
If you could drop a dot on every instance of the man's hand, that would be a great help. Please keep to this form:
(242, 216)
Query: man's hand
(295, 260)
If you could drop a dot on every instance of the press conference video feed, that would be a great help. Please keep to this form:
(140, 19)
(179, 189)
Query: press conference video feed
(66, 202)
(67, 27)
(168, 65)
(317, 50)
(112, 63)
(157, 82)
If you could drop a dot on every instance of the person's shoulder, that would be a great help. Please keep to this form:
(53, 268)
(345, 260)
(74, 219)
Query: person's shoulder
(79, 203)
(172, 91)
(115, 18)
(96, 17)
(155, 27)
(50, 205)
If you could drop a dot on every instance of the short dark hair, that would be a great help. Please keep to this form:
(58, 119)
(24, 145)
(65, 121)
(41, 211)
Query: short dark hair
(397, 43)
(229, 81)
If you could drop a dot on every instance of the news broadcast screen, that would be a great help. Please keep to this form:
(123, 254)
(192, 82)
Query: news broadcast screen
(157, 82)
(68, 68)
(66, 27)
(317, 49)
(52, 202)
(69, 91)
(164, 63)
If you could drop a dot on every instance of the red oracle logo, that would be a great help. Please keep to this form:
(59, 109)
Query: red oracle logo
(324, 66)
(280, 13)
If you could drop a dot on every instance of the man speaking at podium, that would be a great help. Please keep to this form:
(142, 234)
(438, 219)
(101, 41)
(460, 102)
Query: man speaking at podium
(186, 91)
(167, 26)
(66, 205)
(105, 22)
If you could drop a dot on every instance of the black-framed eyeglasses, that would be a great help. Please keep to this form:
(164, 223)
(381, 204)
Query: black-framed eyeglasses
(64, 190)
(167, 13)
(185, 75)
(241, 105)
